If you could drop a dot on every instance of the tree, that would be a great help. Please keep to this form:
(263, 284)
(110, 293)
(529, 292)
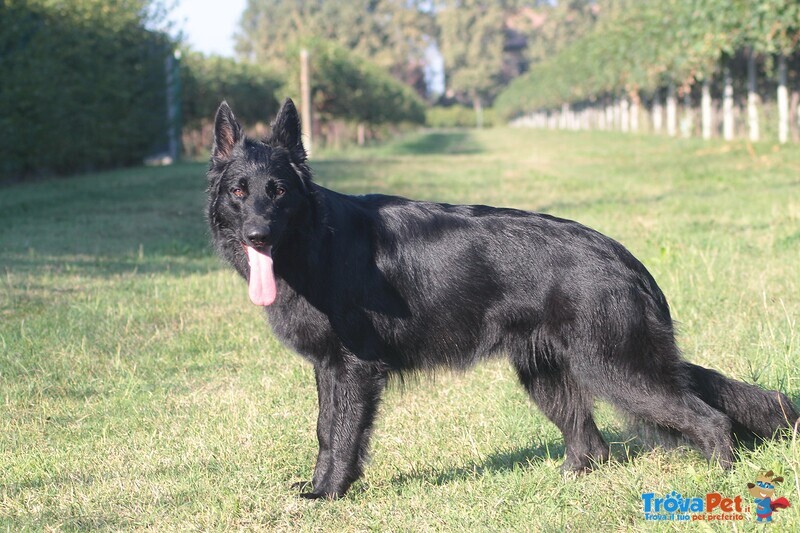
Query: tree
(772, 27)
(551, 27)
(83, 85)
(471, 39)
(391, 33)
(248, 88)
(347, 87)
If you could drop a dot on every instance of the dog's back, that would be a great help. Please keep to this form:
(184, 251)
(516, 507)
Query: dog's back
(421, 284)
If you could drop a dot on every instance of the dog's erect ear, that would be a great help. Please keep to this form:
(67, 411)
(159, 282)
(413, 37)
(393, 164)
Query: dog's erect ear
(778, 479)
(751, 485)
(227, 132)
(286, 131)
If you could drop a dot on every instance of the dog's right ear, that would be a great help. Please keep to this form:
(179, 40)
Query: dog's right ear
(227, 132)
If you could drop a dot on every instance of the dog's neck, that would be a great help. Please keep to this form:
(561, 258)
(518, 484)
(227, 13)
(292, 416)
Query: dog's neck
(301, 258)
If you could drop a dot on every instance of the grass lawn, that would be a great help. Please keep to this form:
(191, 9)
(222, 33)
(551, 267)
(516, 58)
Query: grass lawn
(140, 388)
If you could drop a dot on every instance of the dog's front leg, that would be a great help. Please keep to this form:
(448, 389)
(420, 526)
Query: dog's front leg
(325, 380)
(349, 395)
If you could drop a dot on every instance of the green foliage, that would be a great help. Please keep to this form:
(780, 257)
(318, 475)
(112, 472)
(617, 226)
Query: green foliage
(348, 87)
(640, 45)
(553, 26)
(471, 39)
(456, 116)
(250, 89)
(771, 26)
(391, 33)
(83, 85)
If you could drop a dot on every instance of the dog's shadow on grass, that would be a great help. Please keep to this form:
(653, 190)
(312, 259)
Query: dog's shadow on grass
(625, 447)
(496, 462)
(622, 450)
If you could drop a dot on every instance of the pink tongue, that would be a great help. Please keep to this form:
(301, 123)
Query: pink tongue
(261, 288)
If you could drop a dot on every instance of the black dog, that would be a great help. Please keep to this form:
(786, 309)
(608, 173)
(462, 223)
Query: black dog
(366, 286)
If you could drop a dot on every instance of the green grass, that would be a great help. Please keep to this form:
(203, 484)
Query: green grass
(139, 388)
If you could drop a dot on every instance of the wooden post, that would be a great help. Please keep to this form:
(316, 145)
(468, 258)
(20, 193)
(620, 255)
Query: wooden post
(173, 105)
(305, 101)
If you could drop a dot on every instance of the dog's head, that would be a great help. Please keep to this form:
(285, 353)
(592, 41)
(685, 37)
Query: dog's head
(256, 191)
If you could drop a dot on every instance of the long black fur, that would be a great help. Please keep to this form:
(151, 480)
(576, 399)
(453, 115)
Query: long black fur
(373, 285)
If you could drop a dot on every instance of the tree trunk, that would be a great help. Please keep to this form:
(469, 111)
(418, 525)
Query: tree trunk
(601, 117)
(783, 101)
(658, 113)
(361, 134)
(706, 109)
(173, 107)
(635, 100)
(672, 114)
(727, 107)
(794, 115)
(752, 97)
(478, 106)
(624, 114)
(687, 124)
(305, 102)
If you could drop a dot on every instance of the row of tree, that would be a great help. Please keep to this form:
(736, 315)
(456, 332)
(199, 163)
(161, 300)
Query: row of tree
(85, 86)
(346, 87)
(663, 51)
(345, 91)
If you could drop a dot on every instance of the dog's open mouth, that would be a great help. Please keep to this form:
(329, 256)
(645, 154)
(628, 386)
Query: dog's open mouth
(261, 285)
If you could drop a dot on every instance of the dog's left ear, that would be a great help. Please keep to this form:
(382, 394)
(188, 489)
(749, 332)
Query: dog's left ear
(286, 131)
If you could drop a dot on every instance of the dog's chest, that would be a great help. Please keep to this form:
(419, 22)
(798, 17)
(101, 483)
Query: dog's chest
(302, 327)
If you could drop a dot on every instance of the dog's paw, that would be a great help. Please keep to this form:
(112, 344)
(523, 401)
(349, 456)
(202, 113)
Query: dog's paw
(321, 495)
(301, 486)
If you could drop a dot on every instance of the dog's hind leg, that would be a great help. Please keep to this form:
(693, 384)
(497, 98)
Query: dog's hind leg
(349, 394)
(662, 397)
(753, 410)
(570, 409)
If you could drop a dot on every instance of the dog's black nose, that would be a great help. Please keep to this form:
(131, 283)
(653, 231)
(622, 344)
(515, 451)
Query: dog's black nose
(257, 237)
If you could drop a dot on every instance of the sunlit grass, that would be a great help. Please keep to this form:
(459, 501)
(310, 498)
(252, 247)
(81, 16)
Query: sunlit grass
(139, 387)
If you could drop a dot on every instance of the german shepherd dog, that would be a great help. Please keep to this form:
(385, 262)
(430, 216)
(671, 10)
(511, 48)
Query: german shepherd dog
(369, 286)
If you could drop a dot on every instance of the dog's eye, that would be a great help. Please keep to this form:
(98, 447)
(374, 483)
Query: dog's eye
(279, 191)
(237, 192)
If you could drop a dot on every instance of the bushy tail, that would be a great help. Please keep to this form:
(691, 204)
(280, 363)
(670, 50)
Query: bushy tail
(754, 411)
